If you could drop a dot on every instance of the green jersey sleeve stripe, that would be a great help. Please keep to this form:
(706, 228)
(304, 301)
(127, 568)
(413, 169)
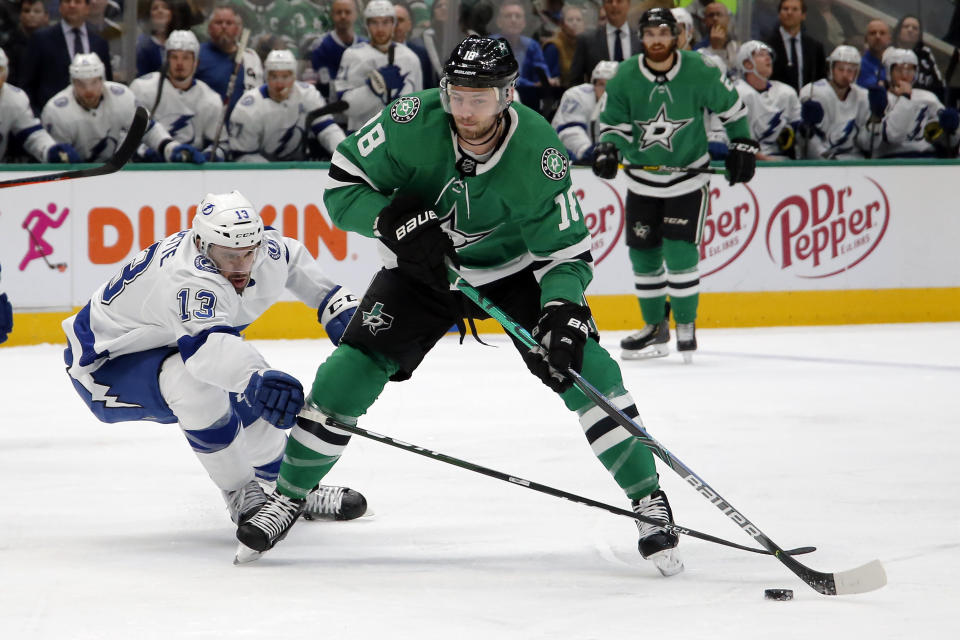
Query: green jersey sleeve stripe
(737, 111)
(343, 164)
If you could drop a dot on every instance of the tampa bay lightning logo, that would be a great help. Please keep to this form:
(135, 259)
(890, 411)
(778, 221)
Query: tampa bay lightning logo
(273, 249)
(203, 263)
(207, 209)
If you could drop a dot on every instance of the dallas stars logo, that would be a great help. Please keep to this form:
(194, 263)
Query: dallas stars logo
(376, 320)
(660, 130)
(404, 109)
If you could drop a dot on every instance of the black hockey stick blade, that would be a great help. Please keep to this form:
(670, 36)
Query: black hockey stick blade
(310, 416)
(867, 577)
(120, 157)
(669, 169)
(329, 109)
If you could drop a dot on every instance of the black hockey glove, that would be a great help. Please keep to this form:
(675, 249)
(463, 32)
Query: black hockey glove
(562, 332)
(741, 162)
(606, 160)
(414, 234)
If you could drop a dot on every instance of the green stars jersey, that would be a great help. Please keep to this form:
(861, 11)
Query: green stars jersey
(658, 119)
(514, 210)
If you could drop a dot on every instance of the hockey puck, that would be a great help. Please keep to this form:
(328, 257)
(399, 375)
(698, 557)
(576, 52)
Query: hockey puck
(778, 594)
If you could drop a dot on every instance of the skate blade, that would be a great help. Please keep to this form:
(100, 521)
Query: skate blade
(369, 513)
(668, 562)
(687, 357)
(245, 555)
(647, 353)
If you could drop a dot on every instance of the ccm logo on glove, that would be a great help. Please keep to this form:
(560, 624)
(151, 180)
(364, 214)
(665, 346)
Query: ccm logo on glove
(411, 224)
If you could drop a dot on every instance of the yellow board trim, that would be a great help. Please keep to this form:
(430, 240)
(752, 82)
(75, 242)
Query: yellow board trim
(295, 320)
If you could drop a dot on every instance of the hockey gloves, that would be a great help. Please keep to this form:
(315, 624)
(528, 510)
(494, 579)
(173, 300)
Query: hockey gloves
(562, 332)
(63, 152)
(741, 162)
(415, 236)
(386, 82)
(174, 152)
(275, 396)
(811, 112)
(786, 138)
(335, 312)
(6, 317)
(877, 97)
(606, 160)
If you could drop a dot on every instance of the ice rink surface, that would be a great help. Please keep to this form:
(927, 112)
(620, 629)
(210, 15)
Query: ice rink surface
(845, 438)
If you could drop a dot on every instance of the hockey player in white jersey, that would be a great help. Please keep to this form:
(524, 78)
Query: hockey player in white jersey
(188, 108)
(835, 110)
(18, 121)
(161, 342)
(93, 115)
(372, 74)
(773, 106)
(915, 122)
(269, 123)
(575, 119)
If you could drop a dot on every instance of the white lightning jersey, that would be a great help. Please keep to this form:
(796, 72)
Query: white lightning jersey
(189, 116)
(903, 124)
(842, 134)
(96, 133)
(170, 295)
(17, 120)
(262, 129)
(351, 82)
(770, 111)
(575, 120)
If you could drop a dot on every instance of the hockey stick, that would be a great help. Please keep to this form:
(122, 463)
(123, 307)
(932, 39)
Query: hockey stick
(312, 416)
(120, 157)
(329, 109)
(862, 579)
(163, 76)
(237, 63)
(660, 167)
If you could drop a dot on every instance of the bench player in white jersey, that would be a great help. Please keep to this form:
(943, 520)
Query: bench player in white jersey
(18, 121)
(188, 108)
(773, 106)
(161, 342)
(576, 117)
(269, 123)
(93, 115)
(915, 122)
(835, 110)
(374, 73)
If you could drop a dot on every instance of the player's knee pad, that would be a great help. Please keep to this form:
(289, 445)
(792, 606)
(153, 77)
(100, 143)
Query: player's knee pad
(195, 403)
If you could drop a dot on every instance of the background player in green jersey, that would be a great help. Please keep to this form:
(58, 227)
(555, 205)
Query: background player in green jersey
(654, 115)
(463, 174)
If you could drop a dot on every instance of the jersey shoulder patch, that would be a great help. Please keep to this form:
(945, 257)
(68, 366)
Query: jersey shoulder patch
(405, 109)
(247, 100)
(554, 164)
(203, 263)
(61, 102)
(117, 89)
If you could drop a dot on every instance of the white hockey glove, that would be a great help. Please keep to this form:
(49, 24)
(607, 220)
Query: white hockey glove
(336, 311)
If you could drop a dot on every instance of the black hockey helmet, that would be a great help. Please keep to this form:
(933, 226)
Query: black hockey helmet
(658, 17)
(479, 62)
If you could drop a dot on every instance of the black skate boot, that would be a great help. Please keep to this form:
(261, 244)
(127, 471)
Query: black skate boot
(656, 543)
(242, 503)
(267, 527)
(334, 503)
(650, 342)
(687, 340)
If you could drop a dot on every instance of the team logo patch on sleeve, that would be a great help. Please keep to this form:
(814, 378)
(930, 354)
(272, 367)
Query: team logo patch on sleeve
(204, 263)
(405, 109)
(554, 164)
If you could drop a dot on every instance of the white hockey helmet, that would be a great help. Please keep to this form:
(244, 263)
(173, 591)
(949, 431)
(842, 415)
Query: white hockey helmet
(86, 66)
(379, 9)
(604, 70)
(745, 54)
(280, 60)
(226, 220)
(4, 61)
(683, 17)
(183, 40)
(894, 56)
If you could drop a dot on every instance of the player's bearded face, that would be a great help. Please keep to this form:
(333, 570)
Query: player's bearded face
(844, 73)
(474, 111)
(182, 65)
(279, 84)
(381, 30)
(88, 91)
(658, 43)
(235, 264)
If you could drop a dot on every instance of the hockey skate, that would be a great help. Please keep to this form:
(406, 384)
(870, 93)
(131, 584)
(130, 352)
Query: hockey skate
(267, 527)
(656, 543)
(686, 340)
(242, 503)
(650, 342)
(334, 503)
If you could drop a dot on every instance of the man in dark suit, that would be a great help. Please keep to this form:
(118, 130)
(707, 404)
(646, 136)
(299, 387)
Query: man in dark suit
(615, 41)
(799, 58)
(46, 64)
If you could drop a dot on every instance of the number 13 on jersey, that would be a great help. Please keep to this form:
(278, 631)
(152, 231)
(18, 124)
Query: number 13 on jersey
(569, 207)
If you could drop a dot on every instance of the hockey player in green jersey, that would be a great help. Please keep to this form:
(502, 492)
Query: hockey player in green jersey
(654, 115)
(463, 174)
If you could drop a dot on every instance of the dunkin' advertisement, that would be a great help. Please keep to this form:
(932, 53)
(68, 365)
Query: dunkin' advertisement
(791, 228)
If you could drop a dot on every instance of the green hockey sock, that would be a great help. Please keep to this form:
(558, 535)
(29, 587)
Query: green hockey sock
(651, 283)
(683, 278)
